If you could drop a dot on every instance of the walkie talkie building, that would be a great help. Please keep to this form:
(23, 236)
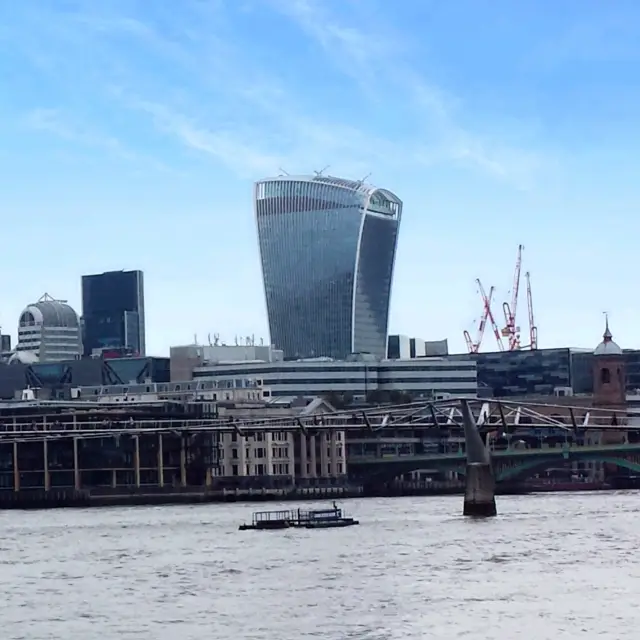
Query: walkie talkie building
(327, 248)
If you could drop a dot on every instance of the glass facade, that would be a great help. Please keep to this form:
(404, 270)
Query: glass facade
(113, 311)
(327, 248)
(519, 373)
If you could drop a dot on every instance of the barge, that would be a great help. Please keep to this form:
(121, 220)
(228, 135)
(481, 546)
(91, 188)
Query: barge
(300, 519)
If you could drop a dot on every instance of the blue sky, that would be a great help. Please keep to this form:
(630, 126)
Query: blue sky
(132, 132)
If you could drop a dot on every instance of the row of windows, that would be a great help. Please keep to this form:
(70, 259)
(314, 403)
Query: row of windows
(328, 382)
(359, 369)
(279, 469)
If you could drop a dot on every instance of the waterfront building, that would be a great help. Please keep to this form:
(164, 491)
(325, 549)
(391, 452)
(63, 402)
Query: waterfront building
(233, 390)
(273, 456)
(327, 249)
(360, 378)
(113, 312)
(48, 331)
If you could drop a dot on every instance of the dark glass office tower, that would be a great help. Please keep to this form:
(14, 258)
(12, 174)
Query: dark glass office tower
(113, 311)
(327, 248)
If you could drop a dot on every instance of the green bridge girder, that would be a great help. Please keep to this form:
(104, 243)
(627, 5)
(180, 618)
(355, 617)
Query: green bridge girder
(526, 459)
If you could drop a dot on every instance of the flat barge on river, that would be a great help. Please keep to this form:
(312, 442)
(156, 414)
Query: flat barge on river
(298, 518)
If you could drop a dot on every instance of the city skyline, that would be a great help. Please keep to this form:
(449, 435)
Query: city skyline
(142, 154)
(327, 248)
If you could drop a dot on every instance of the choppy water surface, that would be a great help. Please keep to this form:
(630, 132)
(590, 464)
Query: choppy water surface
(550, 566)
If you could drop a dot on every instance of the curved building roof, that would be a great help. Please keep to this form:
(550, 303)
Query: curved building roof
(607, 347)
(50, 313)
(354, 185)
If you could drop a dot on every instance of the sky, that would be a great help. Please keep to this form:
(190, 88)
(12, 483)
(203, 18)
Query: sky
(131, 133)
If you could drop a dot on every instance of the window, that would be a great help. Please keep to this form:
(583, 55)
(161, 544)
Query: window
(234, 470)
(274, 469)
(340, 467)
(605, 376)
(234, 454)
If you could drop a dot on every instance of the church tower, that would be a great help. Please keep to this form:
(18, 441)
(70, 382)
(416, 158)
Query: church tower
(609, 375)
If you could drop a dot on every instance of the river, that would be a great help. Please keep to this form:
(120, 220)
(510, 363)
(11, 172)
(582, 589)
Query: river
(549, 566)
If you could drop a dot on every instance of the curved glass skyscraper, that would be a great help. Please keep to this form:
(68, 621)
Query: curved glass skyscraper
(327, 248)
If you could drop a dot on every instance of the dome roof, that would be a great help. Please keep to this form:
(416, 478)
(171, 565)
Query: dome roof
(50, 313)
(607, 347)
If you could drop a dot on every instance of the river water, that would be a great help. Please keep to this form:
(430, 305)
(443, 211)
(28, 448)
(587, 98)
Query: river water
(549, 566)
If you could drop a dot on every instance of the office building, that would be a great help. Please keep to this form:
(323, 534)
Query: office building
(184, 359)
(327, 248)
(48, 331)
(60, 380)
(401, 347)
(5, 347)
(113, 312)
(437, 378)
(561, 371)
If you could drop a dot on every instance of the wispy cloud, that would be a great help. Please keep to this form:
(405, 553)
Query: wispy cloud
(53, 122)
(371, 54)
(194, 78)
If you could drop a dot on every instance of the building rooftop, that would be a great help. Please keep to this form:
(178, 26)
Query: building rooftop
(607, 347)
(50, 313)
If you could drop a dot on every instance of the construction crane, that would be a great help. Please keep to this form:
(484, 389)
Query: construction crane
(487, 314)
(533, 330)
(511, 331)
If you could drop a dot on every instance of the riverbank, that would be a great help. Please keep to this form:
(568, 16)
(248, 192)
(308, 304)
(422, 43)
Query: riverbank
(122, 496)
(68, 498)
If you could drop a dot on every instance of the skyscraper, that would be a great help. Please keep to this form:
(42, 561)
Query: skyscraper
(113, 311)
(327, 248)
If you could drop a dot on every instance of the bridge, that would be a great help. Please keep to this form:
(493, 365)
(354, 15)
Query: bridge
(510, 464)
(415, 423)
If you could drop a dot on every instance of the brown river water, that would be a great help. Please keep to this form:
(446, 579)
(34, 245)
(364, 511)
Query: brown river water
(550, 566)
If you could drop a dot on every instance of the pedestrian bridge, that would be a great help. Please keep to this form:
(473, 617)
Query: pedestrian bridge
(510, 464)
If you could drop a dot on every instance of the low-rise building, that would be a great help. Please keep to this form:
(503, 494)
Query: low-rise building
(437, 378)
(184, 359)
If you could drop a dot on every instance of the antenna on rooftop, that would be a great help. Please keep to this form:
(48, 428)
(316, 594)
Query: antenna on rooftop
(361, 182)
(216, 339)
(319, 173)
(282, 171)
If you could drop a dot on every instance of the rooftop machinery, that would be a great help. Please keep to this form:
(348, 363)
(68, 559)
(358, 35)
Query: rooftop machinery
(511, 331)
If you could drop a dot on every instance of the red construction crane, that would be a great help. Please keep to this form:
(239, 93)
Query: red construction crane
(533, 330)
(487, 314)
(511, 331)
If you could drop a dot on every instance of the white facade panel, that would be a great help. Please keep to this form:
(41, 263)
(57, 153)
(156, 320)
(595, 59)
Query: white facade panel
(455, 377)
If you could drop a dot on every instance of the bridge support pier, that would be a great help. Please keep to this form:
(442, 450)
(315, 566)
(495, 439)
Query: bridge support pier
(480, 485)
(480, 491)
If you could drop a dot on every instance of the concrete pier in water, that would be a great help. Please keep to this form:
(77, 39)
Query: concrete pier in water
(480, 484)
